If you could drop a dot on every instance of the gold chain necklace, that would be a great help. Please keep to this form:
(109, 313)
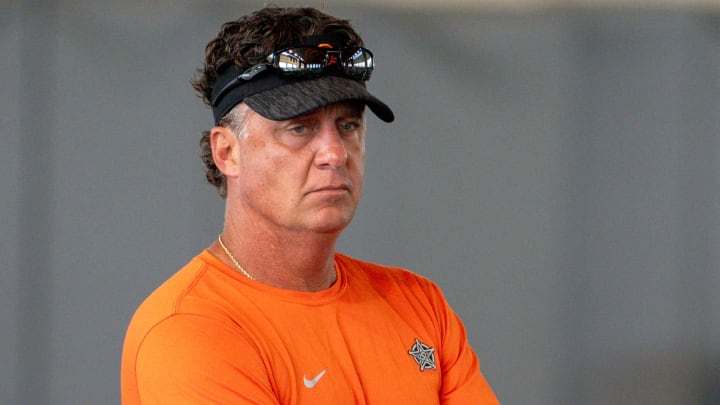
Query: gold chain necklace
(227, 252)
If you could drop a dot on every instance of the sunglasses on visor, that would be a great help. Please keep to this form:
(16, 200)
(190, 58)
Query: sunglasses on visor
(356, 63)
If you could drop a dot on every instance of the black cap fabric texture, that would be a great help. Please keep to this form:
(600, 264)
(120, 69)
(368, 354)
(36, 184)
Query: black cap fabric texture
(297, 98)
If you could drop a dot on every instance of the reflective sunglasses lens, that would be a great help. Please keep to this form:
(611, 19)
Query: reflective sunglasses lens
(301, 60)
(358, 63)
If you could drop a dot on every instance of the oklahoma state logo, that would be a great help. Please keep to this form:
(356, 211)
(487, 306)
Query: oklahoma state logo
(423, 355)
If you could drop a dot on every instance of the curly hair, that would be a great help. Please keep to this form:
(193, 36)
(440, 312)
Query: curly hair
(247, 42)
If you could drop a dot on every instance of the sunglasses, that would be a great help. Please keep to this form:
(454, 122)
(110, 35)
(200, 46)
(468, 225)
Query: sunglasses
(356, 63)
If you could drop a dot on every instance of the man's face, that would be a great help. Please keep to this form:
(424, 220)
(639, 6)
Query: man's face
(304, 174)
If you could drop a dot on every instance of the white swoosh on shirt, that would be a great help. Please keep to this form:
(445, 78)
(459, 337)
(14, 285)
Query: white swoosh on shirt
(311, 383)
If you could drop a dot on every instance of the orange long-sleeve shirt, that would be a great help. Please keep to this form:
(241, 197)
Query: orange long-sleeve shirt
(379, 335)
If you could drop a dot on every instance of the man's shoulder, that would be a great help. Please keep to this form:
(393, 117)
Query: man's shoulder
(385, 275)
(164, 300)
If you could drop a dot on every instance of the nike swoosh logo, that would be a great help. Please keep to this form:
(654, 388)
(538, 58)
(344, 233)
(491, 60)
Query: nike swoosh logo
(311, 383)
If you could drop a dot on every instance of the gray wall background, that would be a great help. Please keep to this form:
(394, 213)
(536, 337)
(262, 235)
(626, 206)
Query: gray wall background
(557, 172)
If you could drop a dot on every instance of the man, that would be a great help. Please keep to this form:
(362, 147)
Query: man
(270, 313)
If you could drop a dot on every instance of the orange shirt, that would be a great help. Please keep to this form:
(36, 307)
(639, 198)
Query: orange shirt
(379, 335)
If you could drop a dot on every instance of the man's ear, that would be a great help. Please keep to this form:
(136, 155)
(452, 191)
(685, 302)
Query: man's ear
(224, 145)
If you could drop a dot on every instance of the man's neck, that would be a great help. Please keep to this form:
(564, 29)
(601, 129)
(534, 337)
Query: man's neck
(299, 261)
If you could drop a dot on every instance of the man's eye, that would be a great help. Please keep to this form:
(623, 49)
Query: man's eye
(348, 126)
(298, 129)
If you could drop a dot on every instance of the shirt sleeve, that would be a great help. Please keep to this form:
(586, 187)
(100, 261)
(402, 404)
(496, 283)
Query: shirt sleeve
(192, 359)
(462, 380)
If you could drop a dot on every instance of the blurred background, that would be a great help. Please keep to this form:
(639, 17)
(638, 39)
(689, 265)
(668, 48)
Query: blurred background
(554, 167)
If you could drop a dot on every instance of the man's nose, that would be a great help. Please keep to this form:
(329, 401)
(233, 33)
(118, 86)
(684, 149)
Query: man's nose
(331, 151)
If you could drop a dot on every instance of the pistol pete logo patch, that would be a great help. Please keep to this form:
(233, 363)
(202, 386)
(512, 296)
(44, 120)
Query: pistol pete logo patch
(423, 355)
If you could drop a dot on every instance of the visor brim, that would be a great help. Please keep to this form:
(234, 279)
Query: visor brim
(299, 98)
